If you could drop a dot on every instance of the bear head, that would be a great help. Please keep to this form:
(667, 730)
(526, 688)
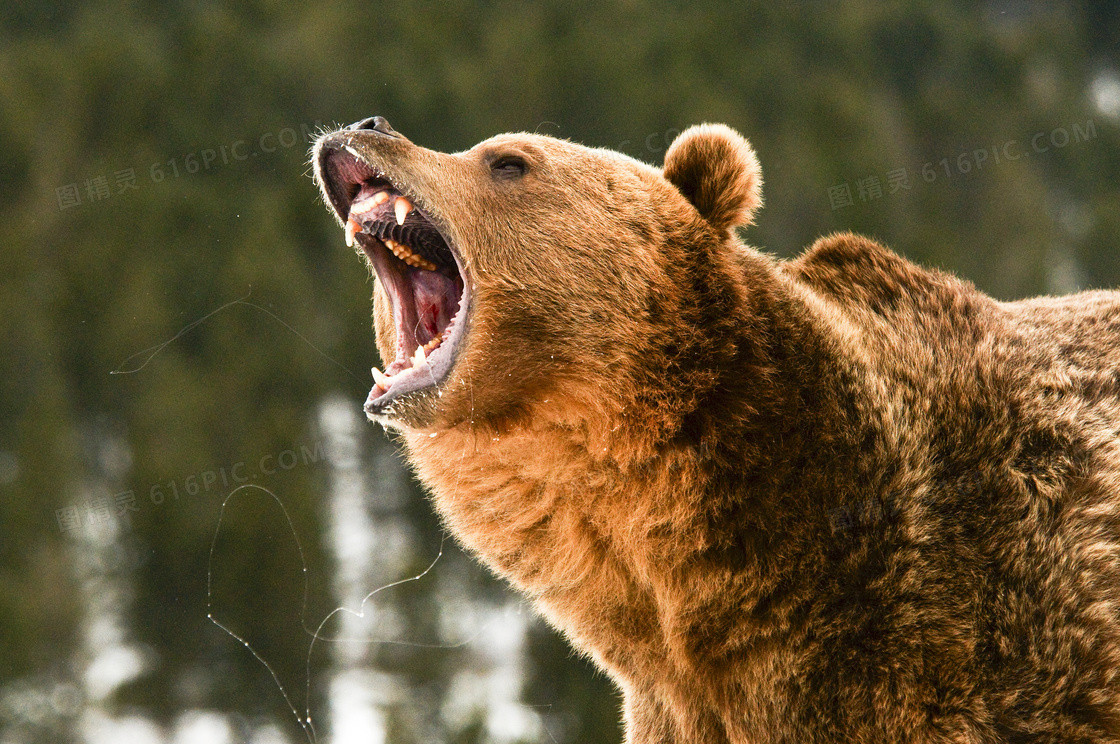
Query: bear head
(530, 269)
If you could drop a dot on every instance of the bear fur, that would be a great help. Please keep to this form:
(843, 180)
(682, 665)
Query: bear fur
(841, 498)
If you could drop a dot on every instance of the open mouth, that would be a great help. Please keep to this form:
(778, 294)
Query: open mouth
(422, 276)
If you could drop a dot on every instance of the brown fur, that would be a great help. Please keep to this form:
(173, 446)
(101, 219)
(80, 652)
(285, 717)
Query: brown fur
(837, 499)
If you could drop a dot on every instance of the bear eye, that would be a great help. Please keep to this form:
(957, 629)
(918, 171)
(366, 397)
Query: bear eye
(509, 166)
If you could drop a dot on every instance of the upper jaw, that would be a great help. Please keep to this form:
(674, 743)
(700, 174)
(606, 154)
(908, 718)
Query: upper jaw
(343, 160)
(422, 274)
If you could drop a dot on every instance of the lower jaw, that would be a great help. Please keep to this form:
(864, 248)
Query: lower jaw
(417, 387)
(414, 410)
(408, 381)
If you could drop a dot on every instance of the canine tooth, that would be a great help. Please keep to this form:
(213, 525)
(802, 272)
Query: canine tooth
(419, 357)
(402, 207)
(380, 377)
(352, 227)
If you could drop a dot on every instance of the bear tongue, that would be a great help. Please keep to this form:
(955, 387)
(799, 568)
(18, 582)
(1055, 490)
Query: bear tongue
(437, 300)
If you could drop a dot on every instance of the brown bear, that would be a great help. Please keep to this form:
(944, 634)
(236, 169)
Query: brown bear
(835, 499)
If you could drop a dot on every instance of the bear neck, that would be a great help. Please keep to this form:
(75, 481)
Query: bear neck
(585, 499)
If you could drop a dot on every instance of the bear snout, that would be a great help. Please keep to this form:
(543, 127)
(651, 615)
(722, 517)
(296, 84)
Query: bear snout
(377, 124)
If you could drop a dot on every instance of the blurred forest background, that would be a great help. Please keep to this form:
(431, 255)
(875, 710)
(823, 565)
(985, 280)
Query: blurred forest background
(186, 340)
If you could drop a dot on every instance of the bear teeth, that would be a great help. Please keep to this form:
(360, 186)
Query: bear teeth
(401, 207)
(421, 355)
(367, 205)
(433, 343)
(419, 359)
(400, 250)
(404, 253)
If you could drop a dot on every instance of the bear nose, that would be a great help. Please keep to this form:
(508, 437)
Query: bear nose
(375, 124)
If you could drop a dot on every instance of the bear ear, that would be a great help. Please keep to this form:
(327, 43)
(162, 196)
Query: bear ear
(718, 172)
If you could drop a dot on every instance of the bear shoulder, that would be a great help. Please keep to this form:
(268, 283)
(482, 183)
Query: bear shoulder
(854, 270)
